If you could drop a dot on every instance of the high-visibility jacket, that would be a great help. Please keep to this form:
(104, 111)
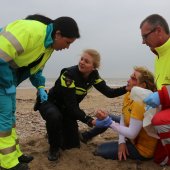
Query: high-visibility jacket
(162, 65)
(71, 88)
(24, 44)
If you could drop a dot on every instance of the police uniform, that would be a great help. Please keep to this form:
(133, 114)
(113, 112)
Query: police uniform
(69, 90)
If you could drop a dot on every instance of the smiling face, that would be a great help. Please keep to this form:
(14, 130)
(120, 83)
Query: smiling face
(61, 42)
(86, 64)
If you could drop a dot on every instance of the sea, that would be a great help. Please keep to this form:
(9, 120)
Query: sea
(113, 82)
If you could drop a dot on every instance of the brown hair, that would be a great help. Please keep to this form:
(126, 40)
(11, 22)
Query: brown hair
(156, 20)
(146, 77)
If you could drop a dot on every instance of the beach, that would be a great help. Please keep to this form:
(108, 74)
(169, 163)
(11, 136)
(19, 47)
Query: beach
(32, 135)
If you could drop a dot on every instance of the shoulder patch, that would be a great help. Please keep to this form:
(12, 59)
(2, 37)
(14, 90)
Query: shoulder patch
(68, 82)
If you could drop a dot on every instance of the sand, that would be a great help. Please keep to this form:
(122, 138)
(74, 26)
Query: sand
(32, 132)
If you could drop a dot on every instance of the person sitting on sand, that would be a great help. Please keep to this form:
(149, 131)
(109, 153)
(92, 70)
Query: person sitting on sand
(62, 110)
(133, 141)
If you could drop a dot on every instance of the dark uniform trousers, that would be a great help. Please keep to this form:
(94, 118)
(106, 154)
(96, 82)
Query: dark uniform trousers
(61, 129)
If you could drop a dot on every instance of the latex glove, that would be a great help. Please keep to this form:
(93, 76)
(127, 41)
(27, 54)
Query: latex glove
(104, 123)
(43, 95)
(152, 100)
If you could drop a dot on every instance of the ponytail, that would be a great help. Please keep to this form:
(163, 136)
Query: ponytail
(41, 18)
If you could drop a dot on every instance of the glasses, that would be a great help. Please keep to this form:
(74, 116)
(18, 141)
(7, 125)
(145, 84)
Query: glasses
(133, 78)
(145, 36)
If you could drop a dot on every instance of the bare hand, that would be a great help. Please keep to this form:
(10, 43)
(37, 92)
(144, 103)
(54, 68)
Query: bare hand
(100, 114)
(122, 151)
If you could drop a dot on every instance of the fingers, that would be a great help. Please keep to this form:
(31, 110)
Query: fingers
(100, 114)
(121, 155)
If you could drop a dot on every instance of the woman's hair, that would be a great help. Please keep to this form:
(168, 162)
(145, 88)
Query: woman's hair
(66, 25)
(40, 18)
(146, 77)
(95, 55)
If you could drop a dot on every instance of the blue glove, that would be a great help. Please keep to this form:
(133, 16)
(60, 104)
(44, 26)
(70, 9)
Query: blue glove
(105, 123)
(43, 95)
(152, 100)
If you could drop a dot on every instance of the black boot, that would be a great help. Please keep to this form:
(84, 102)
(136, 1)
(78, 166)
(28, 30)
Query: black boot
(19, 166)
(37, 104)
(53, 154)
(82, 138)
(25, 158)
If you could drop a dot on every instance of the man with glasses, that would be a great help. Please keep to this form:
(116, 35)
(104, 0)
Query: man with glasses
(155, 34)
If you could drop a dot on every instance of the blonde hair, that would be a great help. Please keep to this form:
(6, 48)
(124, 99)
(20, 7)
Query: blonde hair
(95, 55)
(146, 77)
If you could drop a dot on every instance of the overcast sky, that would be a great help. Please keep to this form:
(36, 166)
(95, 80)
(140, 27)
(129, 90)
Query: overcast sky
(109, 26)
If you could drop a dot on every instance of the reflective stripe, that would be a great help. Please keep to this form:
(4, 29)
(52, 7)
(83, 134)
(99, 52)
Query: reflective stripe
(168, 88)
(80, 91)
(165, 141)
(13, 64)
(5, 134)
(98, 81)
(17, 141)
(5, 56)
(164, 162)
(162, 128)
(8, 150)
(11, 38)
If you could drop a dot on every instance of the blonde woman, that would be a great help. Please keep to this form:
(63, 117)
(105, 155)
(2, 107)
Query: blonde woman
(62, 110)
(134, 142)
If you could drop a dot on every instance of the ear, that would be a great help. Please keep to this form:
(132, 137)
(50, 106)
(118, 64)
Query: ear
(143, 85)
(57, 34)
(159, 30)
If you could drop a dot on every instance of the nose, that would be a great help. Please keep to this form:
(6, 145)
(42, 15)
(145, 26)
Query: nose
(143, 41)
(81, 61)
(68, 46)
(128, 80)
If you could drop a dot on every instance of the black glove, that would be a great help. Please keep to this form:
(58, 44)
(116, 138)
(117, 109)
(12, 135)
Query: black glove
(89, 120)
(38, 102)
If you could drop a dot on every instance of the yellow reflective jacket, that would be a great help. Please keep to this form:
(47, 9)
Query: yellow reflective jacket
(162, 65)
(23, 42)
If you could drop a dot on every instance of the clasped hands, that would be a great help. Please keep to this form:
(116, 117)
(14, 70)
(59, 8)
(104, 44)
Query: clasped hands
(103, 120)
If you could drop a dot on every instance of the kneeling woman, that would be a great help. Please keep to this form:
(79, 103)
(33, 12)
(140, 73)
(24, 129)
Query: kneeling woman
(62, 110)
